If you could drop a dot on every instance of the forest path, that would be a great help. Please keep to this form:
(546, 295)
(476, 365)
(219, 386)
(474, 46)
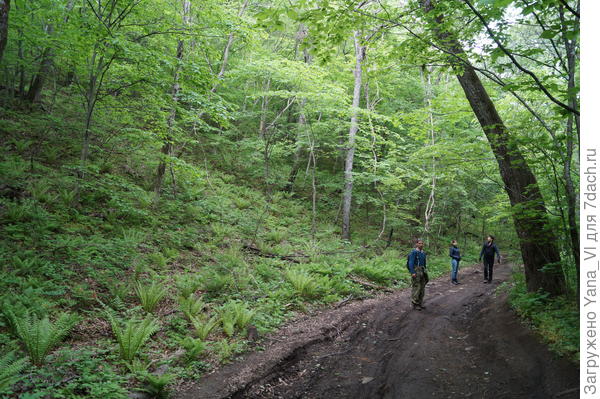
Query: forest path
(467, 343)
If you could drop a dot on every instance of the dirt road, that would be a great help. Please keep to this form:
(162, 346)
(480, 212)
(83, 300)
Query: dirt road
(467, 343)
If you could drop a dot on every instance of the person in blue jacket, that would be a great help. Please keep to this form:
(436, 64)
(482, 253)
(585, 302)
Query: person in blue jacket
(488, 251)
(455, 256)
(417, 266)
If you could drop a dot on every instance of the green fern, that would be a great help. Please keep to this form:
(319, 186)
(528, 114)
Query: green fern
(194, 347)
(191, 306)
(138, 367)
(40, 336)
(157, 385)
(235, 314)
(9, 369)
(150, 295)
(304, 284)
(133, 335)
(187, 284)
(204, 327)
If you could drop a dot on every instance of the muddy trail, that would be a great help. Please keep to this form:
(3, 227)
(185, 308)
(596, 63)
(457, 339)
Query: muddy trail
(467, 343)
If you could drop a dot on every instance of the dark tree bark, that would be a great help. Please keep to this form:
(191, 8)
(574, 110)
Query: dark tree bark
(4, 9)
(537, 240)
(572, 121)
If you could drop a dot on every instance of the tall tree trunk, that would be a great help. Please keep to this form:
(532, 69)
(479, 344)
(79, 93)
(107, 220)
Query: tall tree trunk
(537, 240)
(359, 51)
(430, 206)
(167, 148)
(4, 10)
(570, 47)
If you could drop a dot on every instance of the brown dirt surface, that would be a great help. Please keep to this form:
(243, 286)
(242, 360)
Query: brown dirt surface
(467, 343)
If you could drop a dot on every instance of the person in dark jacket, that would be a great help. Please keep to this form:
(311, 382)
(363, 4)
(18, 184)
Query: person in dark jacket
(417, 266)
(488, 251)
(455, 256)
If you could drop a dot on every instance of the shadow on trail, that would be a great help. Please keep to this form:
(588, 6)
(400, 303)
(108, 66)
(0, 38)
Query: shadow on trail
(467, 343)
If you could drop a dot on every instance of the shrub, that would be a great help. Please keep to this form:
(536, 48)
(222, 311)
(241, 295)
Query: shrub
(40, 336)
(133, 335)
(150, 296)
(10, 367)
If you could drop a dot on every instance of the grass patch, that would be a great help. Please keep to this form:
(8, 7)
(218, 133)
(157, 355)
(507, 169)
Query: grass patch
(555, 319)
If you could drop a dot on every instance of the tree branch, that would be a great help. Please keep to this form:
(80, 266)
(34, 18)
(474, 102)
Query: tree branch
(518, 65)
(568, 7)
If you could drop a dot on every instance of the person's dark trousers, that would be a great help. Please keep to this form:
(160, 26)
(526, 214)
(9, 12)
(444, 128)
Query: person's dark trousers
(488, 268)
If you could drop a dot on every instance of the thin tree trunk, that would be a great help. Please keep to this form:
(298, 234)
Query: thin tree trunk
(299, 149)
(359, 51)
(90, 102)
(370, 105)
(429, 208)
(167, 148)
(21, 67)
(300, 36)
(225, 57)
(4, 10)
(537, 241)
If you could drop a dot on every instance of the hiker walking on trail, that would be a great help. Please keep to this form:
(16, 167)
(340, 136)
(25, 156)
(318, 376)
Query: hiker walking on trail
(455, 255)
(417, 266)
(487, 253)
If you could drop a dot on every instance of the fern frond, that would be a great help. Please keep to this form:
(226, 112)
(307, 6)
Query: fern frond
(150, 295)
(191, 306)
(40, 336)
(132, 337)
(204, 327)
(9, 369)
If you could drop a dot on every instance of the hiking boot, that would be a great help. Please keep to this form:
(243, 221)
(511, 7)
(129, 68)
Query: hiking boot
(417, 307)
(455, 282)
(485, 281)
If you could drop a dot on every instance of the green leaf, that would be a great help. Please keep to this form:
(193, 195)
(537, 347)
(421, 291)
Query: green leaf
(548, 34)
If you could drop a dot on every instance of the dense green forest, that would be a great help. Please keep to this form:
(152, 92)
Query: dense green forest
(180, 177)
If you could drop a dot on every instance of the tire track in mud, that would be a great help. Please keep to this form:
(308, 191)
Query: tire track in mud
(467, 343)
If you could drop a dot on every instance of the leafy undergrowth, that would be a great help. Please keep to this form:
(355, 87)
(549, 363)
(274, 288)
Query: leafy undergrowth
(156, 287)
(555, 319)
